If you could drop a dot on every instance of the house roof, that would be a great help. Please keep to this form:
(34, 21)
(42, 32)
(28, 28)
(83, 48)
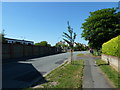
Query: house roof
(17, 40)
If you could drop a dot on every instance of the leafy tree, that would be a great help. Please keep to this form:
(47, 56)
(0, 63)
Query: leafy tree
(101, 26)
(80, 47)
(59, 44)
(62, 45)
(70, 38)
(2, 37)
(43, 43)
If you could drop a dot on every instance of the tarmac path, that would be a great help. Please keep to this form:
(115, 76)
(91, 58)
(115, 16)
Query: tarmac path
(92, 75)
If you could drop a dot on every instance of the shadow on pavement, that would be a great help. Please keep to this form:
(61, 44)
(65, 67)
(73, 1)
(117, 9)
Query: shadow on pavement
(20, 75)
(103, 64)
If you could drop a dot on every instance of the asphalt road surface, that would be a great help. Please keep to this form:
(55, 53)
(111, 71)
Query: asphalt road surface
(22, 74)
(93, 76)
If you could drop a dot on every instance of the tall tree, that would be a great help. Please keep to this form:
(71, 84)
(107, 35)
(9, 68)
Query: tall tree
(70, 38)
(101, 26)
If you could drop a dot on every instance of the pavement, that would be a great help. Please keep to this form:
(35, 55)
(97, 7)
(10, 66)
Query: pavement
(93, 76)
(24, 73)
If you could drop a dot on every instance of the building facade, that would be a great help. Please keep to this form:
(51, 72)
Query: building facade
(9, 40)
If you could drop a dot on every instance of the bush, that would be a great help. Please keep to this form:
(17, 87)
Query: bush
(97, 52)
(112, 47)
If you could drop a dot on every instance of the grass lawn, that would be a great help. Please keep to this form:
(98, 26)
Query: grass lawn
(80, 54)
(66, 76)
(113, 75)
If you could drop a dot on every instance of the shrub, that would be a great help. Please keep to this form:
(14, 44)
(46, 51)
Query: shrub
(112, 47)
(97, 52)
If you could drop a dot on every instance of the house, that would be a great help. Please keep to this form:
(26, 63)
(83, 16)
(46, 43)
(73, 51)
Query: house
(9, 40)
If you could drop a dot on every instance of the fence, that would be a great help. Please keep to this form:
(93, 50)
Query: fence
(12, 51)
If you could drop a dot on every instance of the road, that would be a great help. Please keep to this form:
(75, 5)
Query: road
(22, 74)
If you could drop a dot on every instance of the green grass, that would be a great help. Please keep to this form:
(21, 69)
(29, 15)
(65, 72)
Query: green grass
(113, 75)
(80, 54)
(66, 76)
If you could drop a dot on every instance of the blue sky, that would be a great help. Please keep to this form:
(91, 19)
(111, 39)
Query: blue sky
(46, 21)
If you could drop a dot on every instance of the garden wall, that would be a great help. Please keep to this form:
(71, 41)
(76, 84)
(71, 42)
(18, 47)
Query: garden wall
(13, 51)
(114, 61)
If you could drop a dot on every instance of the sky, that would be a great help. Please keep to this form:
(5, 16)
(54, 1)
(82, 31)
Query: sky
(60, 0)
(46, 21)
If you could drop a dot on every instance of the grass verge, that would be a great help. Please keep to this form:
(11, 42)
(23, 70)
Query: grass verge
(66, 76)
(113, 75)
(80, 54)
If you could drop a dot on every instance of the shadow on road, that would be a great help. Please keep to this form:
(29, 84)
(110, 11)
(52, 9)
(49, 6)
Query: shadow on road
(21, 75)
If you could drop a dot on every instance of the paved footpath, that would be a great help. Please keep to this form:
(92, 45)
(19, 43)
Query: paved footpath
(92, 75)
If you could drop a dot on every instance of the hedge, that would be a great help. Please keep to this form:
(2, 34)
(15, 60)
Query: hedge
(112, 47)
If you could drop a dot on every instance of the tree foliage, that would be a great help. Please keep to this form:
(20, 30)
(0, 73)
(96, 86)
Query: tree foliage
(80, 47)
(43, 43)
(70, 38)
(61, 44)
(101, 26)
(2, 37)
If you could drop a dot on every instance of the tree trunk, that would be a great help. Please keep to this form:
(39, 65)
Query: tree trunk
(71, 55)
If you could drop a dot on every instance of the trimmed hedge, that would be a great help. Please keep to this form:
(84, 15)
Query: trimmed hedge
(112, 47)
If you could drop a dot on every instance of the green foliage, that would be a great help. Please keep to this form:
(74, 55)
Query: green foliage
(101, 26)
(80, 47)
(97, 52)
(112, 47)
(43, 43)
(60, 44)
(2, 37)
(69, 38)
